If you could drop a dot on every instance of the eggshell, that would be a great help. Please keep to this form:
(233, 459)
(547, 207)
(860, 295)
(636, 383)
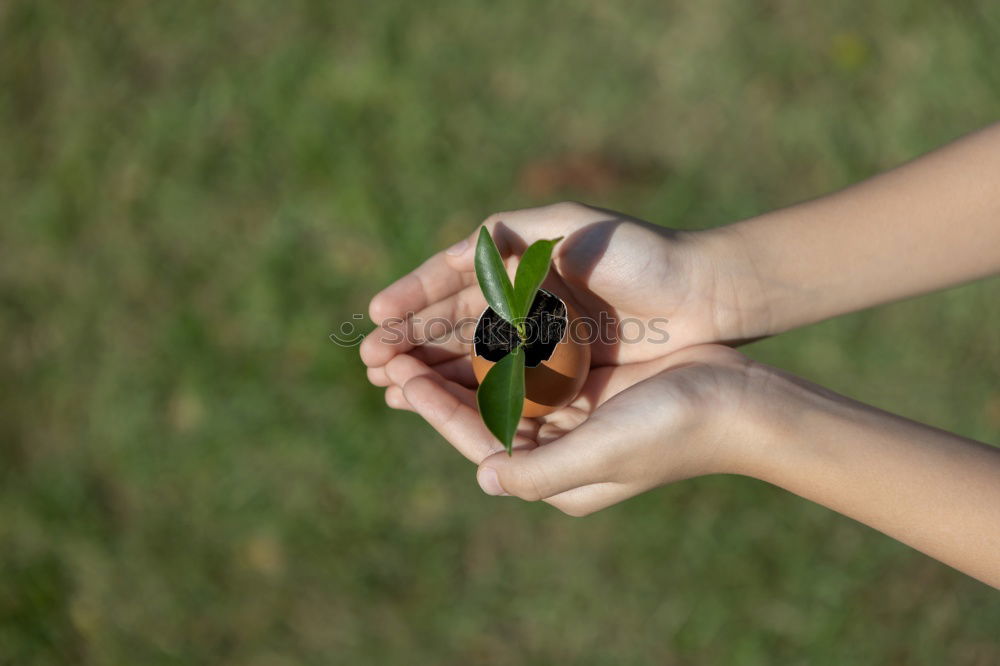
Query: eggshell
(553, 383)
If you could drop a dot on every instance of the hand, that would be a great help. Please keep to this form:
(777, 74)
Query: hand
(655, 280)
(632, 428)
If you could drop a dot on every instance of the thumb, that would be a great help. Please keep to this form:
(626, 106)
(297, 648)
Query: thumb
(514, 231)
(579, 458)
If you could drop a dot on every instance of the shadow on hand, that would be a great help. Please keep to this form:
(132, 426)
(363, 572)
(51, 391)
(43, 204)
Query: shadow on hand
(578, 255)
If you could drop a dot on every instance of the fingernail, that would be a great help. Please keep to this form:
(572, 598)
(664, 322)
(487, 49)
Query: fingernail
(489, 481)
(458, 248)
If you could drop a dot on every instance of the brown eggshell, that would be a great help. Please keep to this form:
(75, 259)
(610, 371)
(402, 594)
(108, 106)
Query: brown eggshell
(553, 383)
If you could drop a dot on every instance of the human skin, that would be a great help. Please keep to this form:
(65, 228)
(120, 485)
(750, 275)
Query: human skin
(929, 224)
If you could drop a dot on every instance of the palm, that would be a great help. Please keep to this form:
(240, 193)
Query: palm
(601, 384)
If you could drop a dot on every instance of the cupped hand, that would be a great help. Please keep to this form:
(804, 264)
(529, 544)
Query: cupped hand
(633, 427)
(647, 290)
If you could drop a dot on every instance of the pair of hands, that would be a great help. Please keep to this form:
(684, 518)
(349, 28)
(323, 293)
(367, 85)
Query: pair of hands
(652, 411)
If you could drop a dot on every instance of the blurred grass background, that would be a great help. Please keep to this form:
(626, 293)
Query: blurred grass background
(195, 194)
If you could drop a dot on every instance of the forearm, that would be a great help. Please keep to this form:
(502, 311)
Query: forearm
(929, 224)
(935, 491)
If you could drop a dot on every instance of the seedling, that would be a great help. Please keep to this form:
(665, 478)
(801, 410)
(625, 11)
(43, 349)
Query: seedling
(501, 393)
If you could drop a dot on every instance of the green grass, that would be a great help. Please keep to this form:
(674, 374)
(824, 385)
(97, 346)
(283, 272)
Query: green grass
(194, 195)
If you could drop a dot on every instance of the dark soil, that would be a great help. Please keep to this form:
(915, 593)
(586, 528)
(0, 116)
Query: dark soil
(545, 324)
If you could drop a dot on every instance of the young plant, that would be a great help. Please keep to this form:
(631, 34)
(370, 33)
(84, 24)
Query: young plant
(501, 393)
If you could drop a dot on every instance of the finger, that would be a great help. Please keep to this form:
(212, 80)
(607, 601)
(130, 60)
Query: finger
(579, 458)
(467, 396)
(394, 398)
(585, 500)
(440, 341)
(430, 282)
(405, 367)
(448, 272)
(513, 231)
(458, 370)
(378, 377)
(448, 324)
(456, 421)
(527, 429)
(434, 355)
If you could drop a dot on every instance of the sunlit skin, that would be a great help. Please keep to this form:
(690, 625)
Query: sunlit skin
(653, 413)
(607, 262)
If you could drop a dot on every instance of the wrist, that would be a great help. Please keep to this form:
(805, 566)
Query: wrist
(739, 416)
(783, 421)
(765, 431)
(734, 284)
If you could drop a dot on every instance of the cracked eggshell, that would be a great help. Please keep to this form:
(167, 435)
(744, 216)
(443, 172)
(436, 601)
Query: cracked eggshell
(555, 382)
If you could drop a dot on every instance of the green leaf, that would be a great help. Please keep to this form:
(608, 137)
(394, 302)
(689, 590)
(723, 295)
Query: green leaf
(531, 271)
(492, 276)
(501, 397)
